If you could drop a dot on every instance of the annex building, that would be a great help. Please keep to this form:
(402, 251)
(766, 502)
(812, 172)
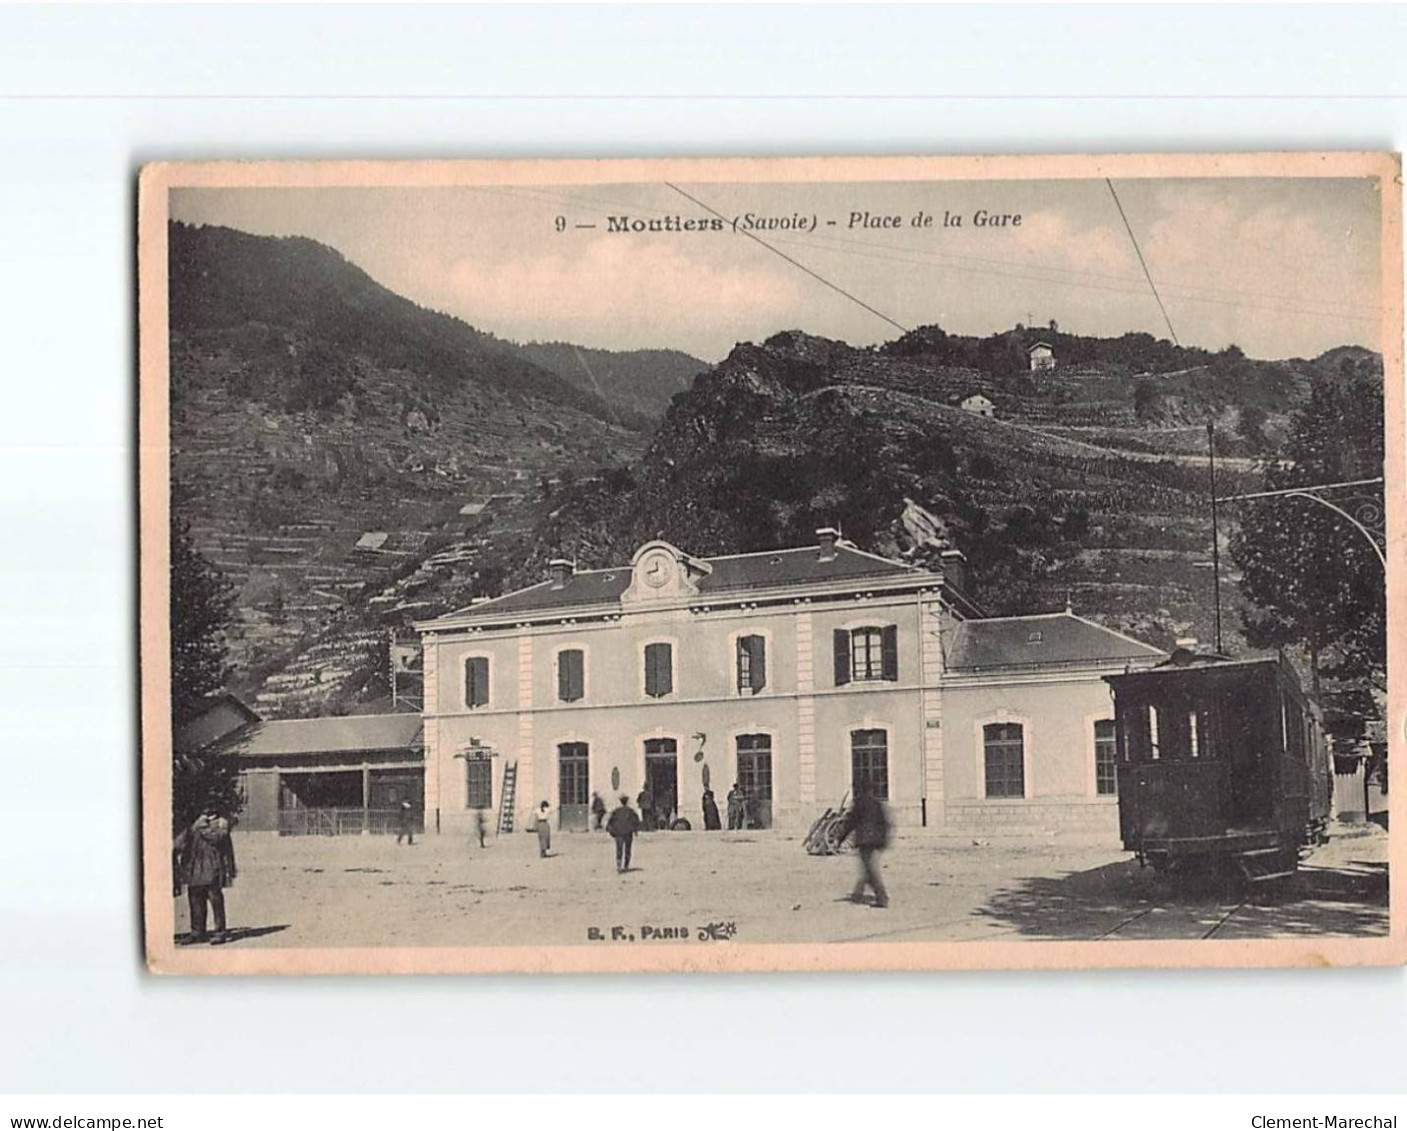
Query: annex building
(799, 673)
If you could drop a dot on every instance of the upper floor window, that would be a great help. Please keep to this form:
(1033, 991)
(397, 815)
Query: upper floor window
(1004, 759)
(752, 664)
(476, 681)
(571, 675)
(659, 670)
(1106, 759)
(866, 653)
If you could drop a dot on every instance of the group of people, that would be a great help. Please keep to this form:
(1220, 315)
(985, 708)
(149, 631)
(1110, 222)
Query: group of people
(742, 810)
(866, 824)
(204, 859)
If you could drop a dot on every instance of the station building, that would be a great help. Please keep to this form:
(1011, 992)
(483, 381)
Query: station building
(802, 674)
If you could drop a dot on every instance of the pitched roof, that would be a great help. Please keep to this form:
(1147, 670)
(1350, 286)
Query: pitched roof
(733, 573)
(1036, 641)
(220, 716)
(333, 735)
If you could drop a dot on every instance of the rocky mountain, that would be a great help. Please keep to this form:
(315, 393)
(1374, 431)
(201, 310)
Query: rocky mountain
(1076, 490)
(352, 462)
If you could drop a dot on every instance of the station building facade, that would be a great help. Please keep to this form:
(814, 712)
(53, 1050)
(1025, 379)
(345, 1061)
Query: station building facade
(801, 674)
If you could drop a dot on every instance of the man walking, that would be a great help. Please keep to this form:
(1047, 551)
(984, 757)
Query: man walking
(623, 825)
(598, 811)
(869, 824)
(205, 863)
(405, 822)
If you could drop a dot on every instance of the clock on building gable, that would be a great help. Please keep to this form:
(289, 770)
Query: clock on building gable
(658, 569)
(662, 572)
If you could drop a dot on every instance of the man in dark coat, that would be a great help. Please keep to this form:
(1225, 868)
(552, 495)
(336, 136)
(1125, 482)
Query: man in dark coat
(405, 822)
(623, 825)
(598, 811)
(735, 807)
(710, 811)
(205, 863)
(647, 809)
(868, 823)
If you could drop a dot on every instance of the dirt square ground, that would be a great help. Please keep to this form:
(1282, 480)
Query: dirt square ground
(446, 891)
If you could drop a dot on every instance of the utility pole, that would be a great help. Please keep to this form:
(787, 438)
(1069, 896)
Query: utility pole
(1216, 538)
(391, 658)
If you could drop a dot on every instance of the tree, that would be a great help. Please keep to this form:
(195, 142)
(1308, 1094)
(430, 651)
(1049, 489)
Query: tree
(1145, 400)
(278, 606)
(1250, 423)
(1312, 578)
(201, 610)
(202, 602)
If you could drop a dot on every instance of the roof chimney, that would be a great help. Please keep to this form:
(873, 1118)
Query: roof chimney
(827, 536)
(955, 569)
(561, 570)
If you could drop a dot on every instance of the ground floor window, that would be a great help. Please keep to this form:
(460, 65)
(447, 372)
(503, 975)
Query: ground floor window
(1106, 759)
(659, 799)
(478, 777)
(1003, 754)
(869, 763)
(754, 753)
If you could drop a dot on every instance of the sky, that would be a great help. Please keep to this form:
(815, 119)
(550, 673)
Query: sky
(1280, 267)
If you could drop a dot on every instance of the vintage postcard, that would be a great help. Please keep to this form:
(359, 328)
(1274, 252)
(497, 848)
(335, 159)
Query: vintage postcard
(741, 565)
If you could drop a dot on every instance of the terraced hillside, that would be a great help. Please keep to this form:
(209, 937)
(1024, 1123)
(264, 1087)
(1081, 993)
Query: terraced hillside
(320, 463)
(1066, 495)
(352, 462)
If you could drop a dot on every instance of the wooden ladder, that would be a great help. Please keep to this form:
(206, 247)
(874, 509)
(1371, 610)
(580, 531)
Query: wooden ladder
(507, 802)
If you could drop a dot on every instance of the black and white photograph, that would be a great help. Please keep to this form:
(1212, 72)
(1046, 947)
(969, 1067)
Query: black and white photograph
(779, 564)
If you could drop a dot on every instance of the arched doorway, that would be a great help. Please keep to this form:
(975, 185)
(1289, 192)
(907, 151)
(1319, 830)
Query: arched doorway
(661, 782)
(573, 785)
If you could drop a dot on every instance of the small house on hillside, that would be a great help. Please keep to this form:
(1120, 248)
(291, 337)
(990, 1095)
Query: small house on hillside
(978, 404)
(1042, 356)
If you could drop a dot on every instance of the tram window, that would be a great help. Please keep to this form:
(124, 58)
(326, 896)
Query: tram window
(1202, 736)
(1153, 745)
(1193, 747)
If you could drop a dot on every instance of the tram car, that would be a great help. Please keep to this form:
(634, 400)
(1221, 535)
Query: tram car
(1221, 763)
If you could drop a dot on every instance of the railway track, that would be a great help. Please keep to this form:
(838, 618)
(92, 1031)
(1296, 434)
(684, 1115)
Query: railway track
(1114, 932)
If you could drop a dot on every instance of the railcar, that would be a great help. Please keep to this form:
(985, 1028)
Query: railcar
(1221, 762)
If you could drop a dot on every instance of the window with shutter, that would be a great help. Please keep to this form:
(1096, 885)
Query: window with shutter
(571, 675)
(752, 664)
(873, 653)
(476, 681)
(659, 670)
(889, 648)
(842, 657)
